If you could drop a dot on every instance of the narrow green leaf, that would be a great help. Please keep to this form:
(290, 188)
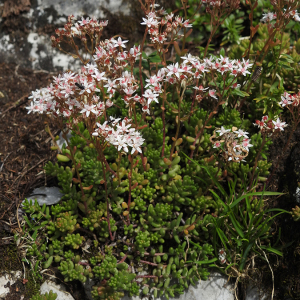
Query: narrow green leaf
(234, 203)
(244, 258)
(270, 249)
(232, 264)
(34, 235)
(210, 175)
(237, 225)
(28, 222)
(203, 262)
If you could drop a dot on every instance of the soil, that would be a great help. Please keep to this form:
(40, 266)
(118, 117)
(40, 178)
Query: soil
(25, 149)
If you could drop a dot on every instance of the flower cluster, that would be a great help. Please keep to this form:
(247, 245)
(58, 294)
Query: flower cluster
(287, 99)
(120, 134)
(80, 29)
(268, 125)
(169, 24)
(268, 17)
(232, 4)
(69, 94)
(193, 68)
(234, 143)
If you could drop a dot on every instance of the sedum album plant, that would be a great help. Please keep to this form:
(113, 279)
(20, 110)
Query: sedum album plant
(155, 140)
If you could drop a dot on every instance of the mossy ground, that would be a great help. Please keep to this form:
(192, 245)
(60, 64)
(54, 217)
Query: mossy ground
(11, 263)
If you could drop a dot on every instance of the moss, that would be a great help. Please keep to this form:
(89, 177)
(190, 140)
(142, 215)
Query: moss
(11, 260)
(32, 286)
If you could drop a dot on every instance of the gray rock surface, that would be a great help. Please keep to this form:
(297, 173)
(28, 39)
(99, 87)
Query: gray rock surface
(30, 46)
(59, 289)
(48, 195)
(8, 279)
(253, 293)
(62, 141)
(215, 288)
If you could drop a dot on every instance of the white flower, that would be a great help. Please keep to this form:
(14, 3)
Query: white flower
(150, 96)
(31, 108)
(150, 22)
(222, 131)
(88, 108)
(120, 142)
(279, 125)
(268, 17)
(123, 127)
(119, 43)
(212, 93)
(99, 76)
(84, 21)
(240, 133)
(284, 101)
(135, 143)
(189, 58)
(246, 144)
(200, 88)
(111, 85)
(174, 70)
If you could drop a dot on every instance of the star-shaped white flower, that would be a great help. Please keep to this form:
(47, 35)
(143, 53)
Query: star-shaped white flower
(240, 133)
(279, 125)
(222, 131)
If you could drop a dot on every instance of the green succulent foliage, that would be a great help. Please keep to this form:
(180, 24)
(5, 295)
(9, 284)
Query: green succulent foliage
(231, 117)
(154, 201)
(72, 271)
(33, 250)
(47, 296)
(154, 134)
(233, 28)
(31, 207)
(74, 240)
(64, 175)
(261, 37)
(170, 205)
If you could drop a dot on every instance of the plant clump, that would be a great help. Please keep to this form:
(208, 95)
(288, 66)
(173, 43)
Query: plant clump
(163, 177)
